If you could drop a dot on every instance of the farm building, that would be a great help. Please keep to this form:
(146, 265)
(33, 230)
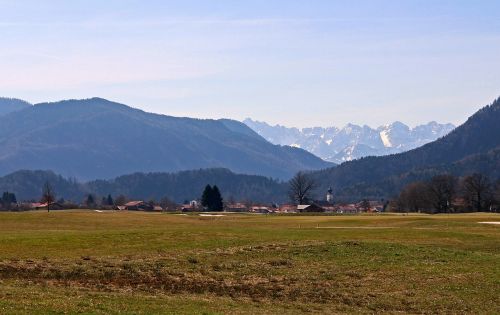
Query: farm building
(310, 208)
(236, 207)
(347, 208)
(138, 206)
(261, 209)
(53, 206)
(287, 208)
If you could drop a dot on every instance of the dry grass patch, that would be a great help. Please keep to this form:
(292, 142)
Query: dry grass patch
(250, 264)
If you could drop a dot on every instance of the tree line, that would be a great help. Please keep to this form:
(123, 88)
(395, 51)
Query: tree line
(440, 194)
(211, 200)
(447, 193)
(443, 193)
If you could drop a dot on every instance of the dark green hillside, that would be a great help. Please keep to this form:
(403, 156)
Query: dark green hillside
(186, 185)
(96, 138)
(9, 105)
(472, 146)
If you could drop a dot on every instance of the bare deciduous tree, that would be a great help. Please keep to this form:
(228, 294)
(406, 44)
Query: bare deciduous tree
(496, 195)
(168, 204)
(120, 200)
(415, 197)
(442, 190)
(365, 205)
(477, 191)
(48, 195)
(301, 188)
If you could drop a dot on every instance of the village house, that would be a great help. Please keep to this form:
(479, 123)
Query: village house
(261, 209)
(330, 209)
(37, 205)
(347, 209)
(236, 207)
(287, 208)
(192, 206)
(374, 206)
(42, 206)
(138, 205)
(310, 208)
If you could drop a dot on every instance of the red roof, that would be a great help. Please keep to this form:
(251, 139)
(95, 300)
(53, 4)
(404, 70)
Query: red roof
(133, 203)
(236, 206)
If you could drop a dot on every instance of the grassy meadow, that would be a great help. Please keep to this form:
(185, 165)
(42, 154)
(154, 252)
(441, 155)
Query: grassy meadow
(145, 263)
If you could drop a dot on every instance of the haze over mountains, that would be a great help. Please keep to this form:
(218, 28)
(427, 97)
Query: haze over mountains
(95, 136)
(352, 141)
(98, 139)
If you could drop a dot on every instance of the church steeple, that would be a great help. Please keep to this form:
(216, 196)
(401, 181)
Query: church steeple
(329, 195)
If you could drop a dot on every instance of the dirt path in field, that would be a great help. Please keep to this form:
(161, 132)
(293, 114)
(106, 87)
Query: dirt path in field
(358, 227)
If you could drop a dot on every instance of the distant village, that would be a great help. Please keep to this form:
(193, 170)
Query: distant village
(441, 194)
(327, 205)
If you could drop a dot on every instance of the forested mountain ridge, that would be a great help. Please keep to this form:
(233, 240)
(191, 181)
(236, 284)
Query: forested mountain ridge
(188, 185)
(180, 186)
(9, 105)
(473, 145)
(99, 139)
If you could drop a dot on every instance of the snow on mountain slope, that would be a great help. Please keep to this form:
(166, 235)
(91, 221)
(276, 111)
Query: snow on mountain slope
(352, 141)
(385, 139)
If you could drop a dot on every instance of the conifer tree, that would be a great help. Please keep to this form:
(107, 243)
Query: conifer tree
(90, 202)
(217, 203)
(8, 199)
(206, 197)
(110, 200)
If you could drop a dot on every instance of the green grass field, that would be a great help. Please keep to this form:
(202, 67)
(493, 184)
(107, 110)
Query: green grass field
(144, 263)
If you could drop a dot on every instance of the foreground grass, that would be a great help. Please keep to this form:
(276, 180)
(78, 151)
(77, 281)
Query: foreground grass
(83, 261)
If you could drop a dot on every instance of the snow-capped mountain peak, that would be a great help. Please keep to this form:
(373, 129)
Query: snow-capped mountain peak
(352, 141)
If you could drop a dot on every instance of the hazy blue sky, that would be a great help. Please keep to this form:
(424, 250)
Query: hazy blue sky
(297, 63)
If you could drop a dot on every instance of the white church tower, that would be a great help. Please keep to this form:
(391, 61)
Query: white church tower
(329, 195)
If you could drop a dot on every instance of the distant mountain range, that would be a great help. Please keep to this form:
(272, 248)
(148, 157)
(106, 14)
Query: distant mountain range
(352, 142)
(96, 138)
(472, 147)
(99, 139)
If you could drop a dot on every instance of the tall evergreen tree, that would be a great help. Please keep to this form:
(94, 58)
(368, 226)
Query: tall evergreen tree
(7, 200)
(217, 202)
(110, 200)
(206, 197)
(90, 201)
(211, 199)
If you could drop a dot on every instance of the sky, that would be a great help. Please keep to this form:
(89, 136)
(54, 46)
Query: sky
(290, 62)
